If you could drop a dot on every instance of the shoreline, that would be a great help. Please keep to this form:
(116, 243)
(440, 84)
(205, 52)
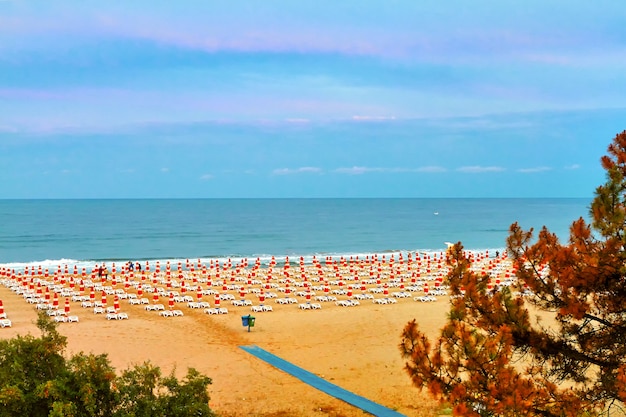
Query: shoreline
(294, 259)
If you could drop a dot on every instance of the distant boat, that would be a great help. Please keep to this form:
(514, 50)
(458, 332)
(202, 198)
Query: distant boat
(436, 213)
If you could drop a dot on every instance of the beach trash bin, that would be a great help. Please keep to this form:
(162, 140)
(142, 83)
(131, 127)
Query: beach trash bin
(247, 321)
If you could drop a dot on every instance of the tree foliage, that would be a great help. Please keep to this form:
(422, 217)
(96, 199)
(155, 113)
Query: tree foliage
(554, 344)
(37, 380)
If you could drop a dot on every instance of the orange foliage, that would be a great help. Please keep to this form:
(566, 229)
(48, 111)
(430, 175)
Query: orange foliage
(574, 363)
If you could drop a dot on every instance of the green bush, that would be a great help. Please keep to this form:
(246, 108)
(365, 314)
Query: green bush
(37, 380)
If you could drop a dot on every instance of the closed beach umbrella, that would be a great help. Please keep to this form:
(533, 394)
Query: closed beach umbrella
(116, 303)
(92, 295)
(55, 301)
(171, 301)
(104, 298)
(67, 305)
(155, 296)
(183, 287)
(1, 308)
(261, 297)
(242, 293)
(217, 300)
(139, 291)
(199, 293)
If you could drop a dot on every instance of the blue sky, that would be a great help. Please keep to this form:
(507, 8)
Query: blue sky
(308, 98)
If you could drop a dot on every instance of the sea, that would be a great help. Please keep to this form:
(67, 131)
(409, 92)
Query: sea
(93, 231)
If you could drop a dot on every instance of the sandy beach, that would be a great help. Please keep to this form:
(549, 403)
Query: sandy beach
(353, 347)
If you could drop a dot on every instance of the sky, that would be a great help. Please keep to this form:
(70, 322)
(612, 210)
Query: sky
(291, 99)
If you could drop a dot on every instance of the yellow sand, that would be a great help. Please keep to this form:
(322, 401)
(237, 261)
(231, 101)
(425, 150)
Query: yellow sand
(353, 347)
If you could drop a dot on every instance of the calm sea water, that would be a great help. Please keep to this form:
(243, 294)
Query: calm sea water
(90, 231)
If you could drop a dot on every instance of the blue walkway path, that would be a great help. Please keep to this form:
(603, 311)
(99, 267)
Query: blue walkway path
(321, 384)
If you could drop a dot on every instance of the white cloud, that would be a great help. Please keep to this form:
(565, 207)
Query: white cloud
(165, 169)
(359, 170)
(477, 169)
(373, 118)
(573, 166)
(301, 170)
(206, 177)
(356, 170)
(533, 170)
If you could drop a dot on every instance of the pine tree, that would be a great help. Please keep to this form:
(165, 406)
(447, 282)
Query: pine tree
(552, 345)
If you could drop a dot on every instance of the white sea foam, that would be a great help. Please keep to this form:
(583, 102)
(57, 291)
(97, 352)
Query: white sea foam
(53, 265)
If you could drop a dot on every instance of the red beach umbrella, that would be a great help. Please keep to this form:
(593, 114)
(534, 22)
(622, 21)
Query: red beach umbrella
(217, 300)
(261, 297)
(171, 302)
(116, 304)
(199, 293)
(55, 301)
(67, 305)
(104, 298)
(1, 308)
(155, 296)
